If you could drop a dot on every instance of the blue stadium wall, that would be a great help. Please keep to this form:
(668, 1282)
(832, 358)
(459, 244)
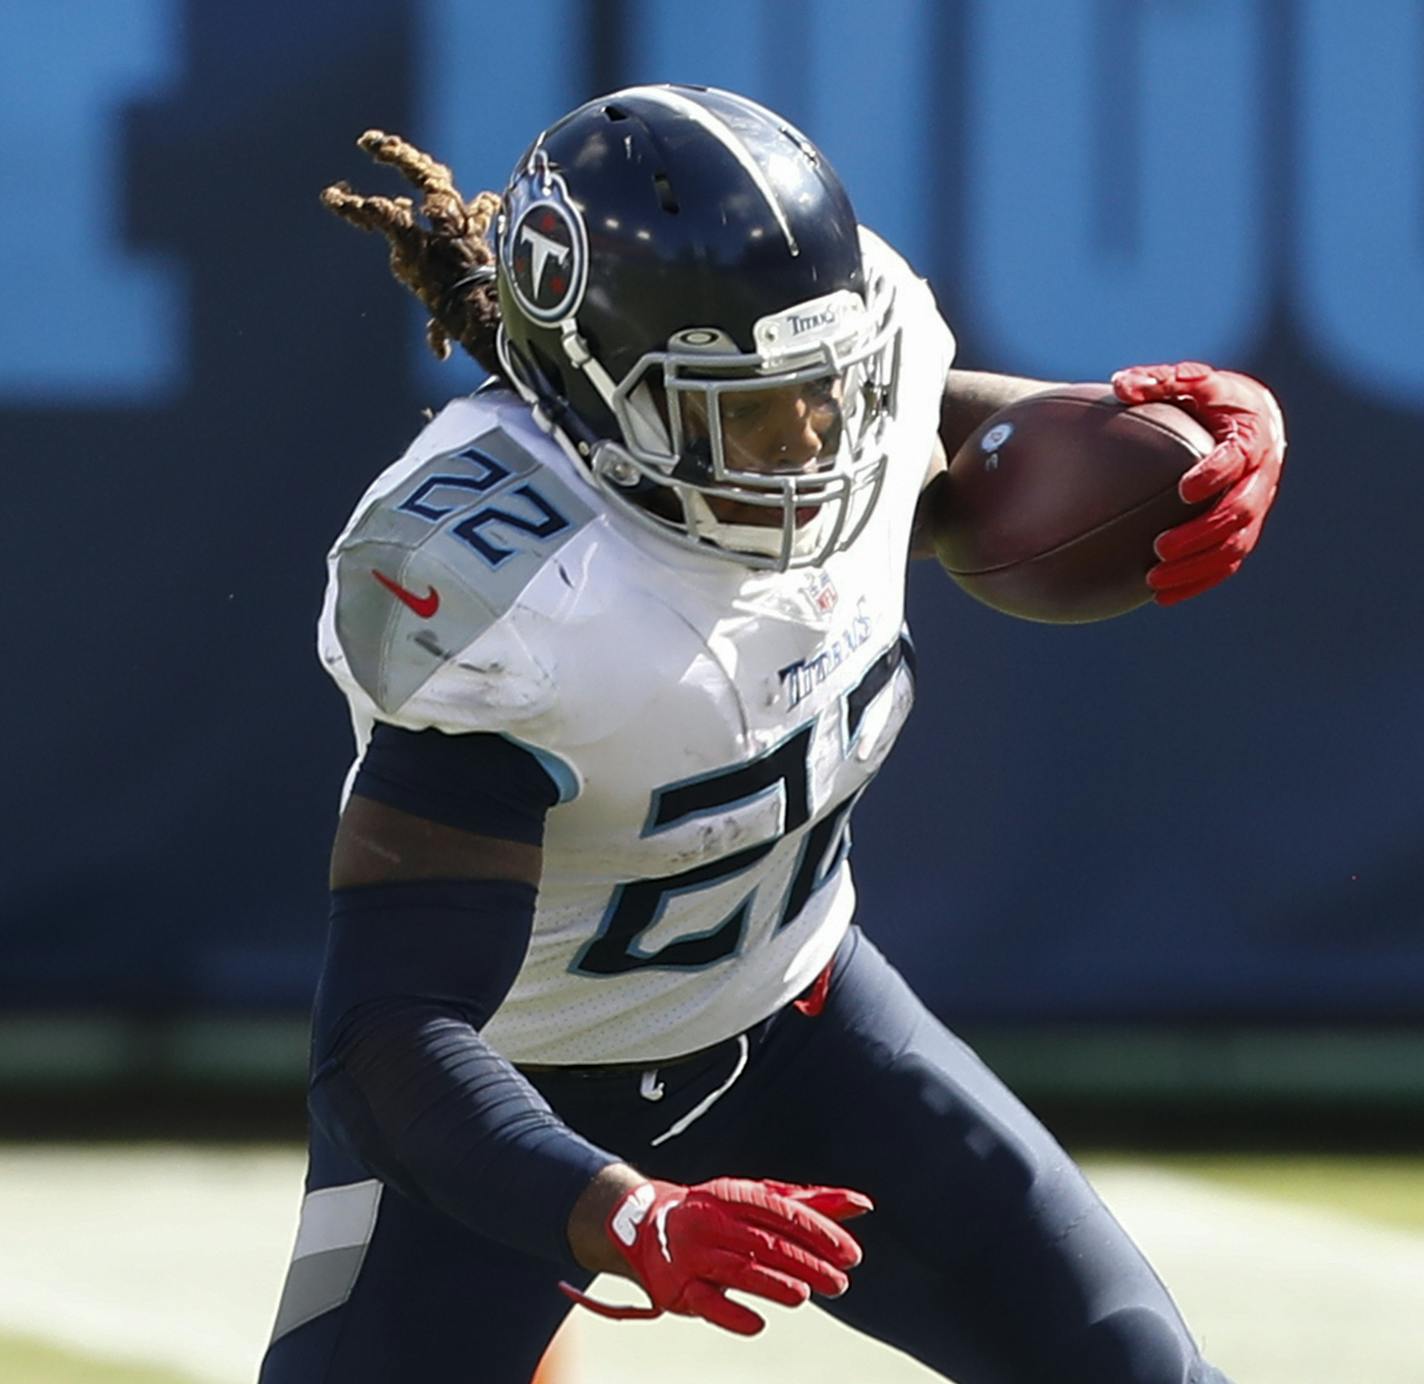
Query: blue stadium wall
(1209, 815)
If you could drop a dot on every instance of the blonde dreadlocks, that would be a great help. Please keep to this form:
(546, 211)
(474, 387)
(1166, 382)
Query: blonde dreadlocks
(447, 264)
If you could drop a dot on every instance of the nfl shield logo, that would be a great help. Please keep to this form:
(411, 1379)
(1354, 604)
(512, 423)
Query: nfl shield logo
(821, 592)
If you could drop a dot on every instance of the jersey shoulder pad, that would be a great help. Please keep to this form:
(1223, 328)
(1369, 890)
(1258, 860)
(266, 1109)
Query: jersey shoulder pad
(927, 334)
(425, 585)
(926, 351)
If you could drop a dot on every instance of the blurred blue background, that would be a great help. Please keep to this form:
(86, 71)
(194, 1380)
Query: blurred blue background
(1205, 817)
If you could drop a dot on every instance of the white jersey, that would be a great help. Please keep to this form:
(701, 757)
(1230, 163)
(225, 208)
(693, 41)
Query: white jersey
(709, 727)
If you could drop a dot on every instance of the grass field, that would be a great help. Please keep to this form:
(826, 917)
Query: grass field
(1388, 1191)
(29, 1361)
(160, 1265)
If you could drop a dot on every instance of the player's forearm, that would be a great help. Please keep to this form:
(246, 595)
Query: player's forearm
(411, 1089)
(403, 1080)
(970, 396)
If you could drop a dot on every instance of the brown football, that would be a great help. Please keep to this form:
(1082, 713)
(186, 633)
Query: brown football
(1051, 507)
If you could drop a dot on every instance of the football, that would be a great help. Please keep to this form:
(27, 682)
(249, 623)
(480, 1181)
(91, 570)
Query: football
(1051, 506)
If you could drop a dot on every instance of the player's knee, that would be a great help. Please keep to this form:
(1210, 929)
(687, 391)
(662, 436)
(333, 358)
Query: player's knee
(1136, 1345)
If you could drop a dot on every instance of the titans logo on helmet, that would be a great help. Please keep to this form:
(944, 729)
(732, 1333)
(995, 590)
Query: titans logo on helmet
(544, 246)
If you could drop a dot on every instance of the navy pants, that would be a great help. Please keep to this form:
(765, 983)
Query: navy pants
(988, 1257)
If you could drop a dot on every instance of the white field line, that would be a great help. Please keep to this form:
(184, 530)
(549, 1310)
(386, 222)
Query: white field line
(175, 1256)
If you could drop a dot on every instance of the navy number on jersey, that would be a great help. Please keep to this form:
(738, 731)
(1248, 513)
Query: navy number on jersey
(525, 511)
(637, 907)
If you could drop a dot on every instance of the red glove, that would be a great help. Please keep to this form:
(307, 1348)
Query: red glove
(687, 1245)
(1243, 469)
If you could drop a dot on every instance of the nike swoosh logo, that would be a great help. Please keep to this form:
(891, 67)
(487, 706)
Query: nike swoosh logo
(424, 606)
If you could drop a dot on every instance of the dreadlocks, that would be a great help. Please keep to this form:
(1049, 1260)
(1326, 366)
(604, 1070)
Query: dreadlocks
(439, 262)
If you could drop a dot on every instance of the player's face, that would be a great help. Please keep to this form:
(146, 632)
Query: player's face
(778, 431)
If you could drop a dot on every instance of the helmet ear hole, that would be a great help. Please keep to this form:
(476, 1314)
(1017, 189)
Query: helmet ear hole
(667, 199)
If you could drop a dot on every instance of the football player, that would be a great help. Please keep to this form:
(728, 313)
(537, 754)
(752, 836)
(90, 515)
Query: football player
(622, 637)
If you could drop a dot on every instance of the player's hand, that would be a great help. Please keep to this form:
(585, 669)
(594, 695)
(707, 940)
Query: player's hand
(1243, 470)
(687, 1246)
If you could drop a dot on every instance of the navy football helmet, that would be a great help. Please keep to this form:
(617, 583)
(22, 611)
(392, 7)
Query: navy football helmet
(684, 303)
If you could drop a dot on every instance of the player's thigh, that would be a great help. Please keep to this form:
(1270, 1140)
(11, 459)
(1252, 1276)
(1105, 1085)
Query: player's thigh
(989, 1256)
(380, 1289)
(1021, 1322)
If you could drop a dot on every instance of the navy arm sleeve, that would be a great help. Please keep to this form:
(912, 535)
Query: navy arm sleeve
(400, 1074)
(481, 783)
